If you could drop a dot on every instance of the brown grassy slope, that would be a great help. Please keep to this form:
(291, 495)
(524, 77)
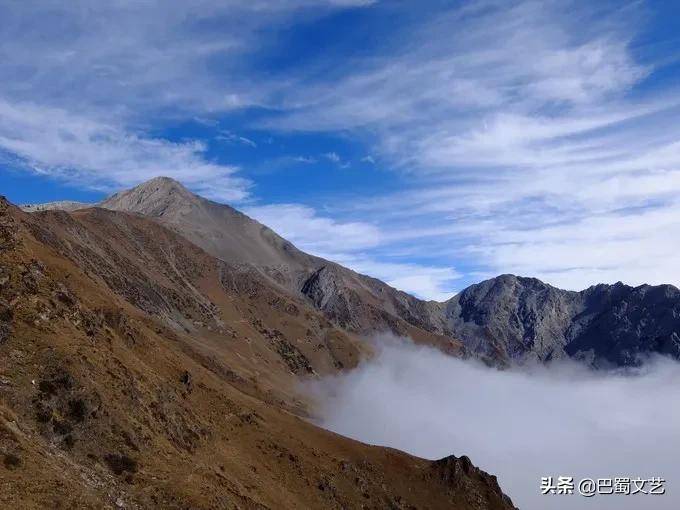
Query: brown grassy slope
(138, 372)
(232, 315)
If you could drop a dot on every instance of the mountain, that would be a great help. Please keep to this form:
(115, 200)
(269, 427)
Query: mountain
(354, 302)
(504, 320)
(137, 370)
(510, 318)
(219, 229)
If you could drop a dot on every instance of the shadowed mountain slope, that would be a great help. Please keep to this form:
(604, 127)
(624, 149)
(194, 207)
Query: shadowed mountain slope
(513, 318)
(138, 371)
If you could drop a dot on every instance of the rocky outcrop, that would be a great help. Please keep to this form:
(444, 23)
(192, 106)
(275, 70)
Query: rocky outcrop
(8, 227)
(480, 488)
(325, 290)
(621, 325)
(509, 318)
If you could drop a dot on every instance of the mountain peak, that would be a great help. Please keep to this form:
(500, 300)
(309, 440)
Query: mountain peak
(162, 180)
(509, 281)
(154, 197)
(219, 229)
(160, 185)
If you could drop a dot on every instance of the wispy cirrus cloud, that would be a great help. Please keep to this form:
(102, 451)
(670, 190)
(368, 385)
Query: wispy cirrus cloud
(229, 137)
(525, 136)
(352, 243)
(484, 67)
(529, 139)
(85, 89)
(335, 158)
(141, 57)
(106, 156)
(305, 159)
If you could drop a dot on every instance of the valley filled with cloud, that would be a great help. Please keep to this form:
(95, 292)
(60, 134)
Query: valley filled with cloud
(521, 424)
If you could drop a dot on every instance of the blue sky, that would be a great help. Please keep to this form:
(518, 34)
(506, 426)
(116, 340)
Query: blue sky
(430, 145)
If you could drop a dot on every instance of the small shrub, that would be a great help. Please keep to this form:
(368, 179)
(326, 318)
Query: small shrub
(120, 464)
(11, 461)
(77, 409)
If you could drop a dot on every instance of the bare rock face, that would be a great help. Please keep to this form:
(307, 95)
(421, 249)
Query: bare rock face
(324, 289)
(8, 227)
(6, 316)
(620, 325)
(509, 318)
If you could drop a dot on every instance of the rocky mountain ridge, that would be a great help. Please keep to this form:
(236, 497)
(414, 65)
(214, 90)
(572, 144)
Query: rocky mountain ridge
(512, 318)
(504, 320)
(60, 205)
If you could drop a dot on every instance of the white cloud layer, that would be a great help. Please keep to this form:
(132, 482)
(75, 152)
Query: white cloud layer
(518, 425)
(429, 282)
(316, 234)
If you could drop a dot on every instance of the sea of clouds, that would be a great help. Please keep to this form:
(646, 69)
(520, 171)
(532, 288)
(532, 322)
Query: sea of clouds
(519, 424)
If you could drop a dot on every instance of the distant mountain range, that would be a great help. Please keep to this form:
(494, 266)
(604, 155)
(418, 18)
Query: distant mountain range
(513, 318)
(504, 320)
